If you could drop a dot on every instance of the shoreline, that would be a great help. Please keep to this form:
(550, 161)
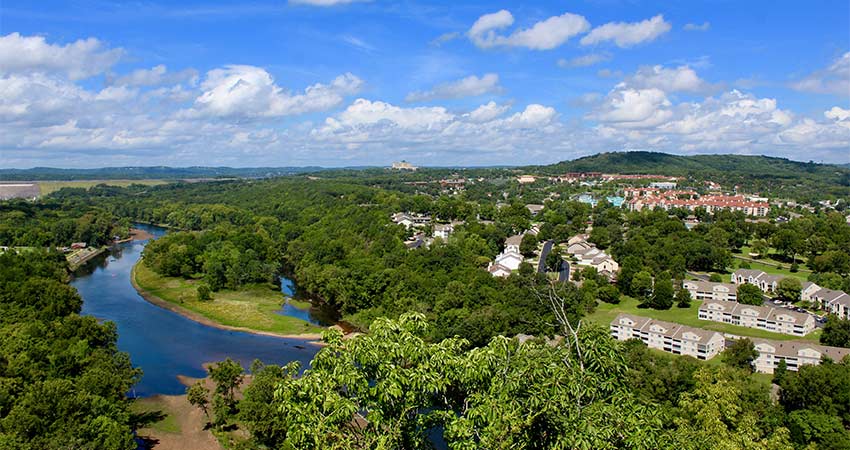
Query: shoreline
(310, 338)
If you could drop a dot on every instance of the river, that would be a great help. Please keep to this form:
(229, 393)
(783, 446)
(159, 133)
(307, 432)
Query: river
(162, 343)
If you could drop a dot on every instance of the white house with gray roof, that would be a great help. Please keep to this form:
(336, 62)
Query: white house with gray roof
(777, 320)
(795, 354)
(765, 281)
(669, 337)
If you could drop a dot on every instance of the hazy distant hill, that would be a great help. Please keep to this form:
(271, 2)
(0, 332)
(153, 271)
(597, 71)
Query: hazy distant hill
(148, 173)
(666, 164)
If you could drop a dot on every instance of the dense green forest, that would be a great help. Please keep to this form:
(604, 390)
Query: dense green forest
(62, 380)
(52, 223)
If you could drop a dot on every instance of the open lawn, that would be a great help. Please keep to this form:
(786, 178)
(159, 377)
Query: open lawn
(802, 276)
(47, 187)
(254, 307)
(606, 312)
(156, 406)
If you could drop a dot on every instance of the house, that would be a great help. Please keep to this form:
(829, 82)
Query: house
(834, 302)
(707, 290)
(512, 243)
(534, 209)
(669, 337)
(765, 281)
(443, 230)
(768, 318)
(525, 179)
(404, 165)
(510, 259)
(498, 270)
(809, 288)
(794, 353)
(78, 245)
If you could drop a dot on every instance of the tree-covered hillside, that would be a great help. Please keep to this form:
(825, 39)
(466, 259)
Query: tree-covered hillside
(777, 176)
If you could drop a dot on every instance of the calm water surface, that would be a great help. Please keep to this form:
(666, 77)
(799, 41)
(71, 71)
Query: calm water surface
(162, 343)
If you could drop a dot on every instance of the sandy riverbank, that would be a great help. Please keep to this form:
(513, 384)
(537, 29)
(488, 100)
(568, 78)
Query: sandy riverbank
(312, 338)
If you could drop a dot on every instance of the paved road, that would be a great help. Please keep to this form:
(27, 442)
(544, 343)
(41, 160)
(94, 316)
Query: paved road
(564, 274)
(541, 263)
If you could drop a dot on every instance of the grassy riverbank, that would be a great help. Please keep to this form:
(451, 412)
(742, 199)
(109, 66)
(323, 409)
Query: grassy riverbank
(606, 312)
(253, 308)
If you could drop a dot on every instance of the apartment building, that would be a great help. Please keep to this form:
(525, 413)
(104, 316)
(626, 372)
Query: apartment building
(777, 320)
(795, 354)
(669, 337)
(708, 290)
(832, 301)
(586, 254)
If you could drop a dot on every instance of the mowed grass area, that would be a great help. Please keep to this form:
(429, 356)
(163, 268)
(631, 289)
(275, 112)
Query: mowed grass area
(255, 307)
(47, 187)
(606, 312)
(153, 405)
(775, 270)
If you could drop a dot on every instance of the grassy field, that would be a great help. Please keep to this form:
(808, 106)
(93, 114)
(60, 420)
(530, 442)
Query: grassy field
(47, 187)
(606, 312)
(167, 424)
(254, 307)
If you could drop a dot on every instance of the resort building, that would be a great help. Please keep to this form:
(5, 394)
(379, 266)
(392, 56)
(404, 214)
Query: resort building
(766, 282)
(794, 353)
(404, 165)
(707, 290)
(669, 337)
(411, 219)
(768, 318)
(525, 179)
(672, 199)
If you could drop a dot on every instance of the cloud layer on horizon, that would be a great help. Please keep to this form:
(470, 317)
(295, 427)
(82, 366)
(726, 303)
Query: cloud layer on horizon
(64, 103)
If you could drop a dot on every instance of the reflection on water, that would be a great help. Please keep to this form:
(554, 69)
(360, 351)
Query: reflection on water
(165, 344)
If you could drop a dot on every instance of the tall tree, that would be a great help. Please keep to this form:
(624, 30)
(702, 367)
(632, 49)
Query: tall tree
(836, 332)
(789, 289)
(740, 354)
(662, 292)
(750, 294)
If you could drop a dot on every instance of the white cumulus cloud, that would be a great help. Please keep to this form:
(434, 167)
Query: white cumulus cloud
(470, 86)
(80, 59)
(625, 34)
(678, 79)
(249, 92)
(544, 35)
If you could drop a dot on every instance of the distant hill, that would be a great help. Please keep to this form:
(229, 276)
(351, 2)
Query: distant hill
(148, 173)
(696, 165)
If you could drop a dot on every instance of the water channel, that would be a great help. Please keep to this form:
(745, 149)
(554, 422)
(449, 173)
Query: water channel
(165, 344)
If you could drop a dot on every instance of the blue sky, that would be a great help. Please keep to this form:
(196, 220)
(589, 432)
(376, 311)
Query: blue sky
(93, 83)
